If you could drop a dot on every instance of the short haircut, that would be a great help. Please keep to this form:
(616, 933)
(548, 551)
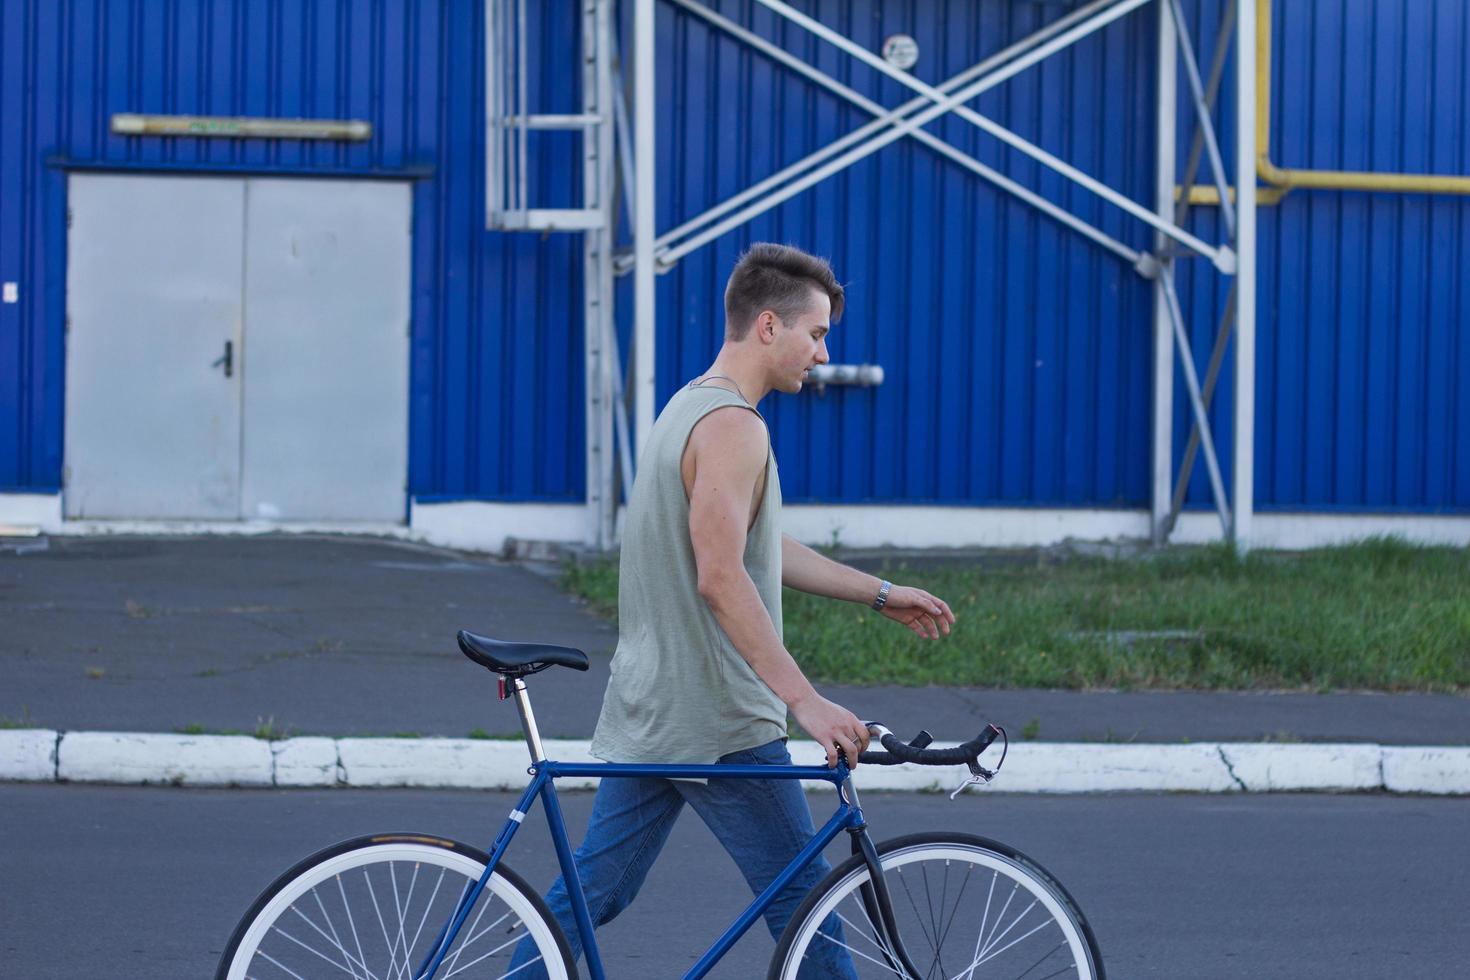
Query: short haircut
(778, 278)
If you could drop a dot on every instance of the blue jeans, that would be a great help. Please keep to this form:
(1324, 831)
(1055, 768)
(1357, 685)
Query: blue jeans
(762, 823)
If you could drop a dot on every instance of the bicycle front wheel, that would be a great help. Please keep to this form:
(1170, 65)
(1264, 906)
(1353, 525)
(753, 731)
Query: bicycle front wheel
(374, 907)
(964, 908)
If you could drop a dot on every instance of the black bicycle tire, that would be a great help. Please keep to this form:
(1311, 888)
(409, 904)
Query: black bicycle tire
(815, 896)
(502, 870)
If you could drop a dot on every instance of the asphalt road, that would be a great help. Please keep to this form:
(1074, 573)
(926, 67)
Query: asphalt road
(355, 636)
(132, 882)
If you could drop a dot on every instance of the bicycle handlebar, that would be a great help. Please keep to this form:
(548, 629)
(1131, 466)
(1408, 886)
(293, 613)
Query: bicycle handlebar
(898, 751)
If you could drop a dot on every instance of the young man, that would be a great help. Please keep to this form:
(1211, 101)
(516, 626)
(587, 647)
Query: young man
(701, 674)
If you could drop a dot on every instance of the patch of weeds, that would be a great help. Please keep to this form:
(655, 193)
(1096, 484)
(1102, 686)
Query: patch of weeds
(193, 728)
(95, 673)
(24, 721)
(407, 735)
(267, 730)
(478, 733)
(1031, 730)
(208, 672)
(136, 611)
(1282, 738)
(328, 646)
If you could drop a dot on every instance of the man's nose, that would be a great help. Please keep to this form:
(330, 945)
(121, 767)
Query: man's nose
(822, 357)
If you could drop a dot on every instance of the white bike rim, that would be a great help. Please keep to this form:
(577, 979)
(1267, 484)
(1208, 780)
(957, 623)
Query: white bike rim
(966, 854)
(438, 857)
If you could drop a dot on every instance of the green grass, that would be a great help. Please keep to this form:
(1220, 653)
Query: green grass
(1380, 614)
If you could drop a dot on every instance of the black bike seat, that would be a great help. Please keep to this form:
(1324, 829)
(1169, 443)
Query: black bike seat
(517, 659)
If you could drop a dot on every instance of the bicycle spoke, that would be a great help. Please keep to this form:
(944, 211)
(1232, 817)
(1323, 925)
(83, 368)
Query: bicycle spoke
(470, 932)
(874, 938)
(427, 906)
(999, 918)
(990, 956)
(913, 905)
(347, 957)
(969, 869)
(485, 955)
(283, 969)
(933, 921)
(381, 924)
(984, 921)
(1014, 922)
(857, 952)
(399, 907)
(313, 951)
(1044, 957)
(352, 924)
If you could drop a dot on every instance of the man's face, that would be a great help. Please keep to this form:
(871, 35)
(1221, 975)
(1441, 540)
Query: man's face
(800, 343)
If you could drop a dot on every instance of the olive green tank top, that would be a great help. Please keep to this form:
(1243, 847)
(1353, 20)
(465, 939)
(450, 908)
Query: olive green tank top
(680, 692)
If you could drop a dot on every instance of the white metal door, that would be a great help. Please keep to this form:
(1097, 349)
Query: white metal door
(326, 358)
(153, 306)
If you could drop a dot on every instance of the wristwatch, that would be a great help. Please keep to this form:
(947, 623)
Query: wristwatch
(882, 599)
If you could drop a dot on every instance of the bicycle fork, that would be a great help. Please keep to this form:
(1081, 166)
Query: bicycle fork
(875, 897)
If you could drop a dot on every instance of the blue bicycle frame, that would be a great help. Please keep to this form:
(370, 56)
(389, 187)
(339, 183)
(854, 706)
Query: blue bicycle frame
(847, 817)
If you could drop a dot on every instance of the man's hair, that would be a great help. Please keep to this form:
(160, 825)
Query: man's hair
(778, 278)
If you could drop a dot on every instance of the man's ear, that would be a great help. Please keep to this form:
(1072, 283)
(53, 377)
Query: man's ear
(766, 326)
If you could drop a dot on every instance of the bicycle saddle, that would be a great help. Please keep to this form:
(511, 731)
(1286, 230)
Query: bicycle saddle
(518, 659)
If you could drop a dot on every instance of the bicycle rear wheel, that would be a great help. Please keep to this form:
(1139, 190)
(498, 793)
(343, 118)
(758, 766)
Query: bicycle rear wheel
(373, 907)
(965, 907)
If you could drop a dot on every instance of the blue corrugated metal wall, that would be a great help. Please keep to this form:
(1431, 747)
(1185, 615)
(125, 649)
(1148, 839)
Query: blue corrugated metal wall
(1363, 334)
(496, 398)
(1017, 354)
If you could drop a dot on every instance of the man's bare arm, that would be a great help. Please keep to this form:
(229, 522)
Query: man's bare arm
(729, 455)
(807, 571)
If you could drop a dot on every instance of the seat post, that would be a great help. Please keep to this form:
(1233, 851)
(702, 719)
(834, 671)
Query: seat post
(528, 719)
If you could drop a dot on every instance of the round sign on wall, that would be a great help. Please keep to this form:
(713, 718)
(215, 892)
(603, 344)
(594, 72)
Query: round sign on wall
(901, 51)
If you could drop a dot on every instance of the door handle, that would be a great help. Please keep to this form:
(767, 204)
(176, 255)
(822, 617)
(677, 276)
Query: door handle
(227, 359)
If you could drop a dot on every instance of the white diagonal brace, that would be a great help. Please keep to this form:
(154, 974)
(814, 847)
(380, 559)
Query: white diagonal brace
(885, 117)
(1206, 123)
(1223, 258)
(877, 125)
(901, 129)
(1196, 400)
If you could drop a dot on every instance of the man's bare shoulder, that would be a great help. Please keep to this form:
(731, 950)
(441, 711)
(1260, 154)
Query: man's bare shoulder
(730, 432)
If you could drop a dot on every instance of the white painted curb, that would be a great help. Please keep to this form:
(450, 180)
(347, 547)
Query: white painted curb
(1443, 770)
(179, 760)
(42, 755)
(28, 754)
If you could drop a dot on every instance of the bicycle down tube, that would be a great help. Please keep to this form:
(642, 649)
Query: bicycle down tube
(847, 816)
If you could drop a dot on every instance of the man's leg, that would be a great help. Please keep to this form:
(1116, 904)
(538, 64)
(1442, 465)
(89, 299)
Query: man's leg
(763, 824)
(631, 819)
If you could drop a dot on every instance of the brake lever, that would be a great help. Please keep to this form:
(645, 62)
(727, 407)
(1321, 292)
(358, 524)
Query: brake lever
(978, 774)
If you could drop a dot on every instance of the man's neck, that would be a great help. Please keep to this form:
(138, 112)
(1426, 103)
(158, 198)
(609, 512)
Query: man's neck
(749, 378)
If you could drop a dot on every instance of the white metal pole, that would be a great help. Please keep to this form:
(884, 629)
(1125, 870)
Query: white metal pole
(1244, 470)
(644, 312)
(1163, 423)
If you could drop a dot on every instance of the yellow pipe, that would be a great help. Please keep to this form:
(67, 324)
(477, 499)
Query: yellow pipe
(1283, 179)
(1340, 180)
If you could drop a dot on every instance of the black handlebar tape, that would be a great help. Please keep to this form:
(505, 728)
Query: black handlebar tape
(900, 751)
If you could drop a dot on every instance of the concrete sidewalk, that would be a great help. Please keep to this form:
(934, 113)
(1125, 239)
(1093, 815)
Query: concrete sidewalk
(339, 636)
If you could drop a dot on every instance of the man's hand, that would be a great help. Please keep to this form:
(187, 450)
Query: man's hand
(832, 726)
(919, 611)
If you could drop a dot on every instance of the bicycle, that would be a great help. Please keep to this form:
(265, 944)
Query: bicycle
(900, 902)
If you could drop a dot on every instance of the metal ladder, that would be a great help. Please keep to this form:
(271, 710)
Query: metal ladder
(509, 198)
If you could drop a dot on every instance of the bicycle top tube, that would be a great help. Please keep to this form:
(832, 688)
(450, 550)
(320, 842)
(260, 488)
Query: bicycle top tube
(555, 770)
